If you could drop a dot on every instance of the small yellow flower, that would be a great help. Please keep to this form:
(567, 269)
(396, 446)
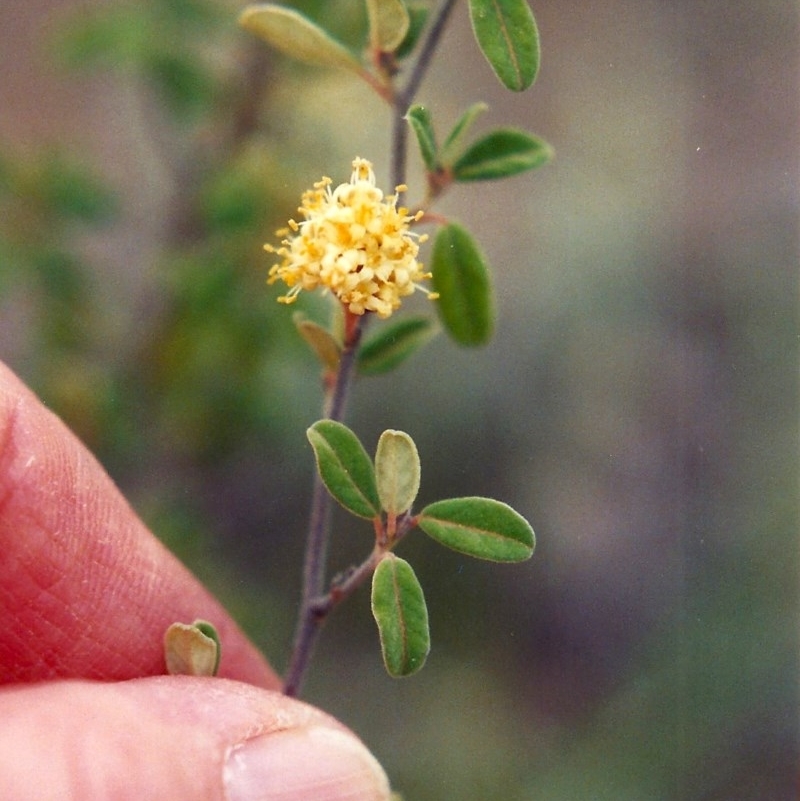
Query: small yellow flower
(354, 242)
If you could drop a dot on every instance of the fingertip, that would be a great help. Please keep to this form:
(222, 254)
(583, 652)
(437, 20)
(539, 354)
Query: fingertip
(86, 591)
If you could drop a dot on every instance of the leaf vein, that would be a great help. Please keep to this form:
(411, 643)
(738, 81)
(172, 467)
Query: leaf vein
(509, 43)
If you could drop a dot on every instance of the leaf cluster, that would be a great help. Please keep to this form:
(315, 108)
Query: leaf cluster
(383, 490)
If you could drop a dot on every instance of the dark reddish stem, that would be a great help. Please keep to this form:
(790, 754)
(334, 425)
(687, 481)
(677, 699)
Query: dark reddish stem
(316, 604)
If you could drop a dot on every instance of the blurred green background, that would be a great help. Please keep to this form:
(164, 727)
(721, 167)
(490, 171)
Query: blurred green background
(638, 403)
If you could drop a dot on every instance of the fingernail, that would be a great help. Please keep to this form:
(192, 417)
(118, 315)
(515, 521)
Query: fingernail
(316, 763)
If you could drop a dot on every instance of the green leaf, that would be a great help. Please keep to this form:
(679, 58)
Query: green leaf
(120, 35)
(419, 117)
(452, 146)
(507, 36)
(290, 32)
(398, 606)
(320, 340)
(397, 470)
(480, 527)
(461, 278)
(185, 85)
(73, 191)
(233, 200)
(393, 344)
(504, 152)
(62, 277)
(190, 15)
(388, 24)
(345, 468)
(418, 16)
(192, 650)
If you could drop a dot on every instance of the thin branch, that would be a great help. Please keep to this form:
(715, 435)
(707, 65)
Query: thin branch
(404, 97)
(309, 621)
(426, 52)
(343, 589)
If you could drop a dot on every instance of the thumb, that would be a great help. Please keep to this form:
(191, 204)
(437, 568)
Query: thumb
(176, 737)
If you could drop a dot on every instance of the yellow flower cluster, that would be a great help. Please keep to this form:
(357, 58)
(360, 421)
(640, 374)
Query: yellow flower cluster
(354, 242)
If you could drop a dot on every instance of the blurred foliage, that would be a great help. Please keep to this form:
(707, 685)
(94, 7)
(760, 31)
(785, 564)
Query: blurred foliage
(648, 405)
(199, 372)
(170, 44)
(42, 203)
(195, 380)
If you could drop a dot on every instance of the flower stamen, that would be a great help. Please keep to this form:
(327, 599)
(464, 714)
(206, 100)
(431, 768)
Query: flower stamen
(354, 242)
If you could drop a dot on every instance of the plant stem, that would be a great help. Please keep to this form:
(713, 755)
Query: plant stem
(325, 603)
(309, 621)
(345, 586)
(316, 605)
(404, 98)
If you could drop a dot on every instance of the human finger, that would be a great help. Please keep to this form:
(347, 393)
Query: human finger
(85, 589)
(169, 737)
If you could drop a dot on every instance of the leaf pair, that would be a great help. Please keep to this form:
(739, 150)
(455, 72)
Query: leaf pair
(386, 349)
(499, 154)
(363, 488)
(461, 276)
(391, 27)
(479, 527)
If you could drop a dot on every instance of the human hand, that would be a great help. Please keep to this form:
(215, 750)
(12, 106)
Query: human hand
(86, 593)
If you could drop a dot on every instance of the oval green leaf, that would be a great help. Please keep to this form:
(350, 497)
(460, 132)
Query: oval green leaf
(480, 527)
(419, 118)
(297, 36)
(507, 35)
(345, 468)
(192, 650)
(398, 606)
(397, 470)
(504, 152)
(451, 149)
(388, 24)
(320, 340)
(394, 343)
(461, 278)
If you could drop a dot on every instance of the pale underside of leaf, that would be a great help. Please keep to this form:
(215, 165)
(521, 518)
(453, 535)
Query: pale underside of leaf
(388, 22)
(397, 470)
(297, 36)
(190, 652)
(320, 340)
